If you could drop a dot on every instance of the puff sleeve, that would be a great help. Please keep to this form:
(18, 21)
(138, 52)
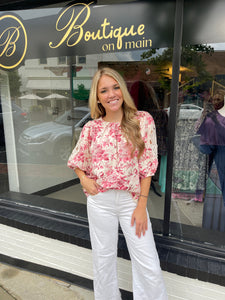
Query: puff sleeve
(81, 157)
(148, 162)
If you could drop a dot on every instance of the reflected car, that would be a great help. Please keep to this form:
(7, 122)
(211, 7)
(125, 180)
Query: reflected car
(52, 141)
(20, 121)
(188, 111)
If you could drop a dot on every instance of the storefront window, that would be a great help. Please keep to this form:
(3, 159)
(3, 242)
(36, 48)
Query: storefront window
(45, 92)
(197, 207)
(197, 198)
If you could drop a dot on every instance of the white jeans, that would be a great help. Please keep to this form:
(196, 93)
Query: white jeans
(105, 212)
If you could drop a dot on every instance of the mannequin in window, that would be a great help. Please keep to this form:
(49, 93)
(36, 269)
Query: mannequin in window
(212, 142)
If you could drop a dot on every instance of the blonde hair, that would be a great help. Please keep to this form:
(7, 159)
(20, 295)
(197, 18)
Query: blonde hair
(129, 124)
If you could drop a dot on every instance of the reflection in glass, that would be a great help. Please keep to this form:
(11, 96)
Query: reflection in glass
(212, 143)
(51, 141)
(146, 99)
(198, 174)
(55, 121)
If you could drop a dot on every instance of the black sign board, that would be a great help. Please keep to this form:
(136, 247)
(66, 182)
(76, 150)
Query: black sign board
(84, 28)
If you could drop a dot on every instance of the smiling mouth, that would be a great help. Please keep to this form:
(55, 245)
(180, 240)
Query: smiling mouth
(113, 101)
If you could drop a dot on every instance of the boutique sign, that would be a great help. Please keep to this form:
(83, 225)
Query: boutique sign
(71, 25)
(78, 29)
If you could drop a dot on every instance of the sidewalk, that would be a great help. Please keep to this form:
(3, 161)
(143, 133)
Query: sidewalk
(18, 284)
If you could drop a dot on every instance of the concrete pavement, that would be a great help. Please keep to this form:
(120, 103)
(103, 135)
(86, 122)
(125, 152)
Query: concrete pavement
(18, 284)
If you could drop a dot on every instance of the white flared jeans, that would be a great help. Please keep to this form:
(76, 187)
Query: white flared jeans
(105, 212)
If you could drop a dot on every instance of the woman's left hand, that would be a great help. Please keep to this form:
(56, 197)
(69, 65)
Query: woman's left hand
(139, 217)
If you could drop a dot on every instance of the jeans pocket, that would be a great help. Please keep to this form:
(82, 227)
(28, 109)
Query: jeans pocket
(93, 197)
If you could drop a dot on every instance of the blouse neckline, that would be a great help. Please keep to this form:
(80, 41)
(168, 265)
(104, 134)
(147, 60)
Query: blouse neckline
(108, 122)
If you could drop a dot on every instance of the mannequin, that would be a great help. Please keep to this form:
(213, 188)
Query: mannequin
(212, 141)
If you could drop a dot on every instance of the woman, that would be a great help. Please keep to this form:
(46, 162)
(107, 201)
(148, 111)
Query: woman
(115, 158)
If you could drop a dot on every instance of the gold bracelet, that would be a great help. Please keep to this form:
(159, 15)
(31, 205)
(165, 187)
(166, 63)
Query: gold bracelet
(143, 196)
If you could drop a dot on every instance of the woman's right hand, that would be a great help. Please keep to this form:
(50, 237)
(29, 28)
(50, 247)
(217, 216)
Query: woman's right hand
(90, 185)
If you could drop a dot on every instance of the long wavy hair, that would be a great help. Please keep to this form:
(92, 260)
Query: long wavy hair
(130, 125)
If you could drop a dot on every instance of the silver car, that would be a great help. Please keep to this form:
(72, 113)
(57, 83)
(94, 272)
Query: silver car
(187, 111)
(53, 141)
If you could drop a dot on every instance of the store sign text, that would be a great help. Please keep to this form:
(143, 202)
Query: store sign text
(71, 24)
(76, 27)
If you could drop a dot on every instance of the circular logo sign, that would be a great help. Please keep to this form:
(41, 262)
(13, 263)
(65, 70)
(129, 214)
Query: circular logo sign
(13, 42)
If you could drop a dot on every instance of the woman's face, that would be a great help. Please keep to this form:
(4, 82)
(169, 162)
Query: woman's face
(109, 94)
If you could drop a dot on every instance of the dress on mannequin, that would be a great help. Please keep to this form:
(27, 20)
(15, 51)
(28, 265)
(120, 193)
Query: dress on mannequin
(212, 141)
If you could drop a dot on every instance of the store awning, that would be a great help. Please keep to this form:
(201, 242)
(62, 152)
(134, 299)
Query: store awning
(55, 96)
(30, 97)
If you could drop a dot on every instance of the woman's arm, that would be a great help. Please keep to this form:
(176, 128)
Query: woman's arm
(90, 185)
(140, 214)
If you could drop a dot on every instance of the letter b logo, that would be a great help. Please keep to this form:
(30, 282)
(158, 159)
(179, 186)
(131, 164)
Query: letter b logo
(13, 41)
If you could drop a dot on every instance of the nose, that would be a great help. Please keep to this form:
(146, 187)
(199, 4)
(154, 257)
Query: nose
(111, 93)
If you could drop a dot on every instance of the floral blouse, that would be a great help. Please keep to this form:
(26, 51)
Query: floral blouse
(103, 153)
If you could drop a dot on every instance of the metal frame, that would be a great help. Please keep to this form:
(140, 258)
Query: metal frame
(178, 30)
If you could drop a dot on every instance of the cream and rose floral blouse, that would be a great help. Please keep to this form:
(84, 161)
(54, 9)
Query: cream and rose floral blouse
(103, 153)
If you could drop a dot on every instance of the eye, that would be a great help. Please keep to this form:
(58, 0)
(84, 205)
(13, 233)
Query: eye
(117, 87)
(102, 91)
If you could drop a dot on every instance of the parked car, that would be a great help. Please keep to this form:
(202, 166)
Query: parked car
(187, 111)
(52, 141)
(19, 117)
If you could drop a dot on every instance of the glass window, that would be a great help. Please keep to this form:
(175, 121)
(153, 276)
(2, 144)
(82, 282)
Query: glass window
(47, 98)
(198, 173)
(62, 60)
(81, 59)
(198, 210)
(43, 61)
